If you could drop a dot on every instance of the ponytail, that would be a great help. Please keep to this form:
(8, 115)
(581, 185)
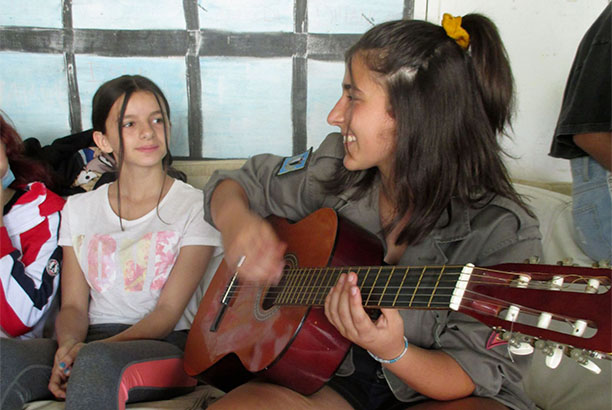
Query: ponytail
(492, 67)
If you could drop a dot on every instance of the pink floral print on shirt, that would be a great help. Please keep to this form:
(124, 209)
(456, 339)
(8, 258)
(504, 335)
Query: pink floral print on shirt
(135, 264)
(101, 260)
(166, 251)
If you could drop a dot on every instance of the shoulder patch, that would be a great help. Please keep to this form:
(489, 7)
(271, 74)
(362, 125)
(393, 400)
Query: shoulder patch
(53, 267)
(294, 163)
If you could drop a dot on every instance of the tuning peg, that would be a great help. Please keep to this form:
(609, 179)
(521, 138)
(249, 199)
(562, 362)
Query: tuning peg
(602, 264)
(556, 282)
(592, 286)
(533, 259)
(516, 345)
(566, 262)
(579, 327)
(584, 361)
(552, 351)
(554, 359)
(520, 348)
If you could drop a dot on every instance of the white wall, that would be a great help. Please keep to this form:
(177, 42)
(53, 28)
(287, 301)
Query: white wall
(541, 37)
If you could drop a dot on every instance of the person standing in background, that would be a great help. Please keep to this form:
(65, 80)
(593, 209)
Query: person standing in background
(584, 136)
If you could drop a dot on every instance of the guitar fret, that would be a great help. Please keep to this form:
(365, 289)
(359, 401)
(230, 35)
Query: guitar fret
(401, 286)
(313, 287)
(417, 286)
(367, 302)
(325, 289)
(382, 295)
(284, 285)
(320, 288)
(365, 278)
(297, 284)
(307, 280)
(435, 287)
(288, 286)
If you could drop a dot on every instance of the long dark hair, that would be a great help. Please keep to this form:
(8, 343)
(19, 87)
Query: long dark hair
(25, 169)
(450, 106)
(107, 95)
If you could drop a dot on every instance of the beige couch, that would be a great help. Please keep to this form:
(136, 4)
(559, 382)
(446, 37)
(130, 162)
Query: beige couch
(569, 387)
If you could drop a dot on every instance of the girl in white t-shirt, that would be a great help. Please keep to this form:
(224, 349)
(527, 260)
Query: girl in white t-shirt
(135, 251)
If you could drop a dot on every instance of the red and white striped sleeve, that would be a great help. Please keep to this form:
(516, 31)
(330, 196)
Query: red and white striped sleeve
(30, 259)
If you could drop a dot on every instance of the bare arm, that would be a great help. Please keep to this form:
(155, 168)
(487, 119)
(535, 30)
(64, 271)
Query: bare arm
(598, 145)
(433, 373)
(246, 234)
(71, 323)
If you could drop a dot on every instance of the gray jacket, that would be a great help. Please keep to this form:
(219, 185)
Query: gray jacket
(500, 231)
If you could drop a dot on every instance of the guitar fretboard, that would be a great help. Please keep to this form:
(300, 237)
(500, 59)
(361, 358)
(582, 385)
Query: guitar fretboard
(422, 287)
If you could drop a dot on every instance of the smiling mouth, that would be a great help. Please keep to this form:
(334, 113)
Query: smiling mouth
(348, 138)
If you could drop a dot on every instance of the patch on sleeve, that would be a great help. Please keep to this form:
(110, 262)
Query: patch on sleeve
(495, 340)
(294, 163)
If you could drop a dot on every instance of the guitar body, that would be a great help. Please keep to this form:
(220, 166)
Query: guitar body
(292, 345)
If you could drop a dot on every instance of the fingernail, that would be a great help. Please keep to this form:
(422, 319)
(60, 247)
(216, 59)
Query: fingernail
(62, 365)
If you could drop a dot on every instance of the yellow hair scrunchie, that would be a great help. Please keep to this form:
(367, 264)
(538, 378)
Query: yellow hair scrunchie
(452, 26)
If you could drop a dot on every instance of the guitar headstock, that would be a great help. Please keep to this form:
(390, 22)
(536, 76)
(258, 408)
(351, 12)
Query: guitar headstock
(562, 310)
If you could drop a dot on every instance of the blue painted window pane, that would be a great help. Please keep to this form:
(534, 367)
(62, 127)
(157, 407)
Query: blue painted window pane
(168, 73)
(349, 16)
(324, 90)
(128, 14)
(246, 104)
(251, 15)
(34, 13)
(36, 100)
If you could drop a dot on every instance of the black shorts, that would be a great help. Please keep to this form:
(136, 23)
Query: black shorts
(366, 388)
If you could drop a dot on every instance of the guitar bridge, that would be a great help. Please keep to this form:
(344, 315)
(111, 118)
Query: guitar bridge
(224, 302)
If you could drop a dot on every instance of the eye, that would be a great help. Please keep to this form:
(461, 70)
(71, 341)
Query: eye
(127, 124)
(159, 120)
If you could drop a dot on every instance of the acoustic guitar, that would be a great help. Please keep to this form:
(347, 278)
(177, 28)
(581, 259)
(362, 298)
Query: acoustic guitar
(280, 332)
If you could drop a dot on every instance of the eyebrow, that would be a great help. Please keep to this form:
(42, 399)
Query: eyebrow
(158, 112)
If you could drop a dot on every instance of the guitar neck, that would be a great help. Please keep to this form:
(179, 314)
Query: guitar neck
(422, 287)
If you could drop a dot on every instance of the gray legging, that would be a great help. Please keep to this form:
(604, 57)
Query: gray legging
(97, 374)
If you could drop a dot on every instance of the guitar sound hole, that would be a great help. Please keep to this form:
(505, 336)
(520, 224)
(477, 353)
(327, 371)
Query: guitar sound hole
(269, 298)
(272, 292)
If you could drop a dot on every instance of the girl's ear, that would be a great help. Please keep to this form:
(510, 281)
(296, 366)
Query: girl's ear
(102, 142)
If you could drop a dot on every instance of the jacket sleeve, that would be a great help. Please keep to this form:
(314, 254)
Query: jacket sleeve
(30, 259)
(291, 195)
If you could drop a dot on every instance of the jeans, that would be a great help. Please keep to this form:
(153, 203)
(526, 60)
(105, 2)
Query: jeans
(592, 208)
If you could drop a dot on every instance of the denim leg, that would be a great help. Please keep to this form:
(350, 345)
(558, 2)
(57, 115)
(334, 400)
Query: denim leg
(592, 208)
(25, 369)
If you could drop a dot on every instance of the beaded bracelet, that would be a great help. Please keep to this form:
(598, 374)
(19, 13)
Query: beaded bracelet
(378, 359)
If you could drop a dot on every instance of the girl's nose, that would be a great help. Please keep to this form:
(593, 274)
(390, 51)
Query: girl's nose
(336, 115)
(146, 132)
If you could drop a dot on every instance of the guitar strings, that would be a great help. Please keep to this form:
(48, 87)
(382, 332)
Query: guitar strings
(380, 292)
(544, 285)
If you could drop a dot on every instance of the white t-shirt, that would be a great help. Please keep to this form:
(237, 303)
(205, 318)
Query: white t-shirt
(127, 269)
